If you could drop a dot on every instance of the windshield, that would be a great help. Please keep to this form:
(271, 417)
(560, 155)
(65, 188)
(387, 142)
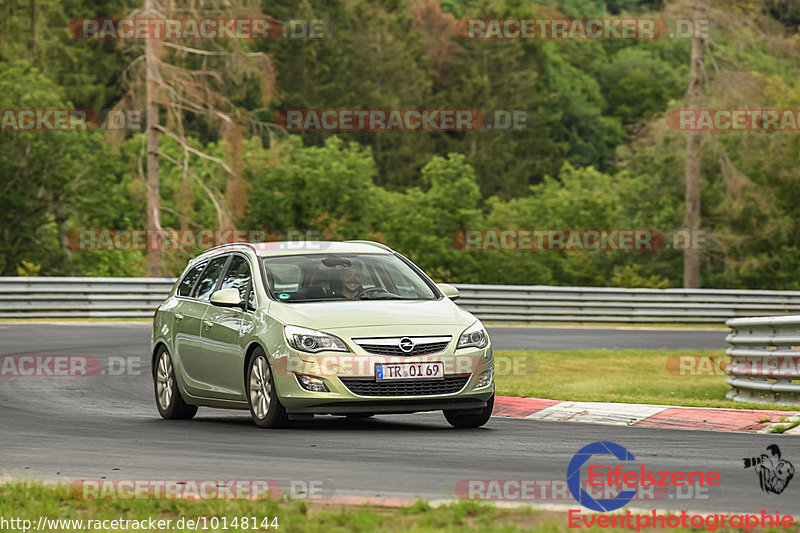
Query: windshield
(337, 277)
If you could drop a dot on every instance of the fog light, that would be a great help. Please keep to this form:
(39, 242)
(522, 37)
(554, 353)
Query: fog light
(311, 383)
(485, 379)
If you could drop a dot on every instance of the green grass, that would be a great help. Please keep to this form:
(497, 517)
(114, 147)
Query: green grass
(29, 501)
(785, 426)
(626, 376)
(32, 500)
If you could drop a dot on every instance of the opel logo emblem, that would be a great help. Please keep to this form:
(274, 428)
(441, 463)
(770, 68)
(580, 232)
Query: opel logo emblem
(406, 344)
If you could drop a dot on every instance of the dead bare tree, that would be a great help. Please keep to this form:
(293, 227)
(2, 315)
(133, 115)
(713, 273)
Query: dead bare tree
(694, 139)
(192, 78)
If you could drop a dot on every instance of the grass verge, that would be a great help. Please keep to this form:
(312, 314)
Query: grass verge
(31, 500)
(666, 377)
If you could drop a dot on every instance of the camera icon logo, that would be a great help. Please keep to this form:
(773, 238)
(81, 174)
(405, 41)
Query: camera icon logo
(774, 472)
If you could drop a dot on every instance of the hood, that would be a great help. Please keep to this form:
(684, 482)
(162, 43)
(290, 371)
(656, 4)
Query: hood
(360, 313)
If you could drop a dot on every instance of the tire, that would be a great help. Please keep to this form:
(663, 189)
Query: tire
(458, 420)
(266, 409)
(170, 403)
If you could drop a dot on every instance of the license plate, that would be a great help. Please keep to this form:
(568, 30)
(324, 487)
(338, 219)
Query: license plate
(409, 371)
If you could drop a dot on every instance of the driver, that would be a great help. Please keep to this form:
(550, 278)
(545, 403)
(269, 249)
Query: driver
(351, 281)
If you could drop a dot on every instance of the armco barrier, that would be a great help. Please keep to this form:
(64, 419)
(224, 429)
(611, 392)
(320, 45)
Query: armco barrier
(81, 297)
(543, 303)
(765, 359)
(65, 297)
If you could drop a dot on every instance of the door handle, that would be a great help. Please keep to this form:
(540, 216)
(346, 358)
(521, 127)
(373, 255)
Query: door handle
(178, 317)
(207, 323)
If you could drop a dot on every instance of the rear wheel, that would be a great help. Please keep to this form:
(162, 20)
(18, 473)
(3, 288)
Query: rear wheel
(266, 409)
(169, 401)
(458, 420)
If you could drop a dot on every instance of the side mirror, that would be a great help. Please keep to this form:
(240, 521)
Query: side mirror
(448, 290)
(227, 298)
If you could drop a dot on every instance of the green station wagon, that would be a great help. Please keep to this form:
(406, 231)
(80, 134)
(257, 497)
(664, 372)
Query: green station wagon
(291, 330)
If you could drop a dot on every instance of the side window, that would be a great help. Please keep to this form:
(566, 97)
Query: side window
(188, 280)
(237, 276)
(207, 282)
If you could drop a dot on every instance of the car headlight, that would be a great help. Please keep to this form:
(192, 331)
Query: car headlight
(309, 340)
(474, 336)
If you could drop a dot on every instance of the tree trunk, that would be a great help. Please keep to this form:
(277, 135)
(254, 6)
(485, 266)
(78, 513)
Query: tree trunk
(34, 38)
(153, 193)
(691, 255)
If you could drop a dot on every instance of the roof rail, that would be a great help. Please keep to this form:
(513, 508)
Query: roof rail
(373, 243)
(219, 247)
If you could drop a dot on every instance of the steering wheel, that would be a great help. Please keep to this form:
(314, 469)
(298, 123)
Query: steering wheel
(372, 290)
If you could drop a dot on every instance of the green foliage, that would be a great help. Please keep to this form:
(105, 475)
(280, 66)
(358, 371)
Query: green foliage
(629, 276)
(328, 189)
(639, 83)
(26, 268)
(372, 58)
(597, 153)
(50, 179)
(87, 72)
(422, 222)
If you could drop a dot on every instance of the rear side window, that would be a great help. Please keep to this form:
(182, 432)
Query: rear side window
(207, 282)
(188, 280)
(237, 276)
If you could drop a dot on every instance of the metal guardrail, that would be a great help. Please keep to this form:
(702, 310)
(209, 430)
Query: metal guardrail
(65, 297)
(543, 303)
(765, 359)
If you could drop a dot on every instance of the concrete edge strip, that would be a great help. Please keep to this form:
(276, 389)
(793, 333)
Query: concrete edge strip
(644, 415)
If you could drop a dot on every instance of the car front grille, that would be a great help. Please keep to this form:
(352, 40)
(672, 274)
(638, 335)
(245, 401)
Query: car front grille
(370, 387)
(392, 345)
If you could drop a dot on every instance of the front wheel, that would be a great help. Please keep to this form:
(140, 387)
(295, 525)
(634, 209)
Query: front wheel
(266, 409)
(169, 401)
(458, 420)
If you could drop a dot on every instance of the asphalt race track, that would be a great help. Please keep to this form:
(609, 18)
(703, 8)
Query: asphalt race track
(585, 338)
(107, 426)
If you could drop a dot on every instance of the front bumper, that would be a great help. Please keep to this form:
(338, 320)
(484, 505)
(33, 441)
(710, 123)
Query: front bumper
(466, 405)
(353, 388)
